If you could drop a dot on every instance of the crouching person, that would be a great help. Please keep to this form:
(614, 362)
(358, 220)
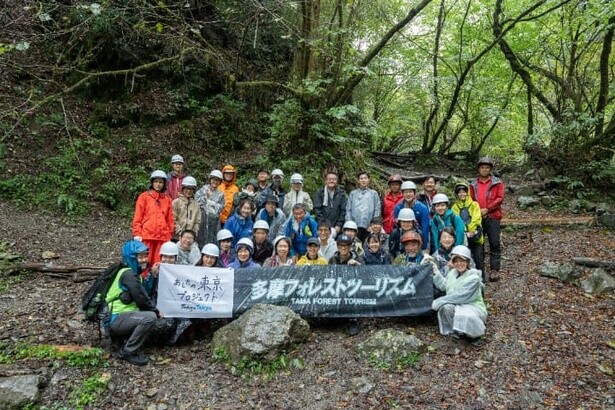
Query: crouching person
(132, 313)
(462, 311)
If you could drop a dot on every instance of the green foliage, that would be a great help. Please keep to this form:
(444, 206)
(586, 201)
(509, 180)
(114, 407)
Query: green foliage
(83, 358)
(89, 392)
(252, 367)
(399, 365)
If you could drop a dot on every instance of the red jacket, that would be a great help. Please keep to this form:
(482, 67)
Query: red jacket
(388, 205)
(153, 218)
(174, 185)
(494, 188)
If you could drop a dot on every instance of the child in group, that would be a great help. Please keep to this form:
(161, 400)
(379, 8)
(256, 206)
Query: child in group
(175, 177)
(469, 212)
(312, 257)
(351, 230)
(374, 252)
(376, 227)
(281, 253)
(211, 200)
(405, 223)
(297, 196)
(210, 256)
(225, 243)
(328, 247)
(244, 250)
(240, 224)
(186, 211)
(153, 222)
(262, 247)
(443, 217)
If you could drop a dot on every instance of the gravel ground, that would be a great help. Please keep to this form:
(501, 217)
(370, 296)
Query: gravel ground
(546, 343)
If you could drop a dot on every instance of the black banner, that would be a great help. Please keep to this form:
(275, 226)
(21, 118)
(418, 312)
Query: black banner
(337, 291)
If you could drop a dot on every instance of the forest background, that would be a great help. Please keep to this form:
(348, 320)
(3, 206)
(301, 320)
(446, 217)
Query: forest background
(95, 95)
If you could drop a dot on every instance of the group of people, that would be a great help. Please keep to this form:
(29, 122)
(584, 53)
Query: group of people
(262, 225)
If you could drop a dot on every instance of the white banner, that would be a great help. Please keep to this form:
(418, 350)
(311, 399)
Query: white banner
(195, 291)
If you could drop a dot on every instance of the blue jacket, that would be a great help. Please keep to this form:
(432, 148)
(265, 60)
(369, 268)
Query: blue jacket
(239, 226)
(440, 222)
(308, 228)
(249, 264)
(422, 219)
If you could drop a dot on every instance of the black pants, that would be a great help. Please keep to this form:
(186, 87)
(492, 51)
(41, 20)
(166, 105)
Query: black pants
(491, 229)
(362, 234)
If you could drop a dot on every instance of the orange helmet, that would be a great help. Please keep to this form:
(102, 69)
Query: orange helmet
(412, 236)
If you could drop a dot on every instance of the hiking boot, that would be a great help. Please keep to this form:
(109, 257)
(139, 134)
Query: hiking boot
(136, 358)
(494, 276)
(354, 328)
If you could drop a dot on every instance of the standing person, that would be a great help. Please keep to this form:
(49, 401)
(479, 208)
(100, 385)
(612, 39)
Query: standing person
(461, 311)
(299, 228)
(244, 250)
(229, 188)
(211, 201)
(188, 252)
(263, 248)
(132, 312)
(406, 221)
(363, 205)
(186, 210)
(392, 198)
(488, 191)
(225, 244)
(330, 203)
(273, 216)
(429, 192)
(470, 214)
(328, 247)
(297, 195)
(153, 222)
(421, 212)
(443, 217)
(312, 257)
(274, 189)
(281, 253)
(176, 176)
(240, 224)
(263, 179)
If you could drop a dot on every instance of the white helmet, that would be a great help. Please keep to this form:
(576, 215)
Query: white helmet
(260, 224)
(216, 174)
(277, 172)
(439, 199)
(224, 234)
(461, 251)
(406, 214)
(189, 182)
(408, 185)
(245, 242)
(296, 179)
(169, 249)
(158, 174)
(211, 250)
(350, 225)
(177, 158)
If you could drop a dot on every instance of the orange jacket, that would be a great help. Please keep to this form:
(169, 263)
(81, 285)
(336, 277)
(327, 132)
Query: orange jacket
(153, 218)
(229, 189)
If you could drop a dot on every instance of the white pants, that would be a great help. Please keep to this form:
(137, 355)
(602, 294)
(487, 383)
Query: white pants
(466, 319)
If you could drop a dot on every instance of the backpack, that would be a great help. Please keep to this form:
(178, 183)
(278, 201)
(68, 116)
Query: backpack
(93, 301)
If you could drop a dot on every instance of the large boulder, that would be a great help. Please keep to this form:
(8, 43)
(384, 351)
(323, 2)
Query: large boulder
(598, 282)
(607, 219)
(18, 391)
(263, 332)
(564, 272)
(527, 201)
(390, 347)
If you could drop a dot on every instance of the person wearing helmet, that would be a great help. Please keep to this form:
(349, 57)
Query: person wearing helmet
(262, 246)
(240, 224)
(413, 255)
(153, 221)
(392, 198)
(421, 212)
(299, 228)
(225, 243)
(275, 189)
(429, 191)
(176, 176)
(229, 188)
(443, 217)
(461, 311)
(312, 257)
(405, 222)
(133, 315)
(186, 210)
(210, 256)
(248, 192)
(281, 253)
(297, 195)
(211, 201)
(244, 250)
(469, 212)
(274, 217)
(189, 252)
(488, 191)
(363, 205)
(330, 203)
(351, 230)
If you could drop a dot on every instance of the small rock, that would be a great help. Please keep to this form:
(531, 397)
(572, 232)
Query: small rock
(151, 392)
(527, 201)
(607, 220)
(564, 272)
(162, 407)
(74, 324)
(152, 407)
(49, 255)
(362, 385)
(599, 282)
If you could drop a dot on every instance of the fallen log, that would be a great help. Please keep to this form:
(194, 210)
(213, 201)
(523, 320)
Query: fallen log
(58, 271)
(594, 263)
(419, 178)
(543, 222)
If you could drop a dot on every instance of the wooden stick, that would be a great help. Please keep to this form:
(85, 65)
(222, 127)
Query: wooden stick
(594, 263)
